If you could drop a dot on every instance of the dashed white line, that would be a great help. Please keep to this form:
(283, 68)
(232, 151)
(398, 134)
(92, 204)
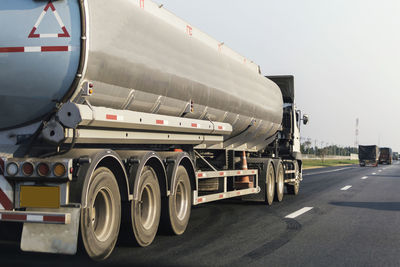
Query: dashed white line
(346, 187)
(299, 212)
(373, 173)
(365, 177)
(379, 170)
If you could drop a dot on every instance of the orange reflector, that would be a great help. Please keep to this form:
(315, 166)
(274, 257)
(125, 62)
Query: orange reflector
(59, 169)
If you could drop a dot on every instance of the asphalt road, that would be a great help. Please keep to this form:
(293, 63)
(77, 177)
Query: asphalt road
(351, 218)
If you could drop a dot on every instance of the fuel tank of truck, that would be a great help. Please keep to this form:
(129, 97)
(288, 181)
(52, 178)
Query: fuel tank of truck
(39, 57)
(138, 56)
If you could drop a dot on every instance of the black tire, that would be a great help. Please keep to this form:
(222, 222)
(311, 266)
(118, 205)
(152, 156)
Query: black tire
(280, 184)
(145, 212)
(100, 223)
(295, 188)
(178, 206)
(270, 184)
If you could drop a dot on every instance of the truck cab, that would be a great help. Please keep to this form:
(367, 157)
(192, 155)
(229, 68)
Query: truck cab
(289, 136)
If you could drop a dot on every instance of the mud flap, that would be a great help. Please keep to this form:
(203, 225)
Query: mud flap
(52, 238)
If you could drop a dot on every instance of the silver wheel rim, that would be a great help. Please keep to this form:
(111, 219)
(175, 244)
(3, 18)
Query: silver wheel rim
(280, 180)
(270, 183)
(101, 215)
(147, 212)
(181, 201)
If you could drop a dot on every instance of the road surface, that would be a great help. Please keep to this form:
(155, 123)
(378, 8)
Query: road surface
(343, 216)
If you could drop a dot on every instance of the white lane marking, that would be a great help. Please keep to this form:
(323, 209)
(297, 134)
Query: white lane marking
(373, 173)
(379, 170)
(346, 187)
(365, 177)
(341, 169)
(299, 212)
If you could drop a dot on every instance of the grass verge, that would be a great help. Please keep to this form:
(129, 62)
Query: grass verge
(318, 163)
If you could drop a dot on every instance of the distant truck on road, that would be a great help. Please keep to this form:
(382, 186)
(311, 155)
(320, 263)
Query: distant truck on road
(368, 155)
(385, 155)
(395, 155)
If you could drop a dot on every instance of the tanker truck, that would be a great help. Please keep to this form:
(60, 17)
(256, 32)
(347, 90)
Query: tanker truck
(116, 117)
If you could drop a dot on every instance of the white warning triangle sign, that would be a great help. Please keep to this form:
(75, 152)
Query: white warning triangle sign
(64, 33)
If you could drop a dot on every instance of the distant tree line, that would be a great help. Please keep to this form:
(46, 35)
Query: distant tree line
(307, 147)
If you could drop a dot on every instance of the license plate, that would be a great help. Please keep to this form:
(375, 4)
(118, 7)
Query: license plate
(39, 197)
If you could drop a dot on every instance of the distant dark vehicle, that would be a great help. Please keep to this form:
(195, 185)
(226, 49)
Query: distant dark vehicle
(395, 156)
(385, 155)
(368, 155)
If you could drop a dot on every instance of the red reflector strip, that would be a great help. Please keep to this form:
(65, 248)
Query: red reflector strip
(5, 201)
(160, 122)
(222, 173)
(195, 125)
(253, 171)
(30, 49)
(50, 218)
(220, 127)
(239, 172)
(13, 217)
(55, 48)
(238, 193)
(11, 49)
(221, 196)
(199, 175)
(199, 200)
(111, 117)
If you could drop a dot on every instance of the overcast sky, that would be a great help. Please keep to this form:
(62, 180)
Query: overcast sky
(344, 54)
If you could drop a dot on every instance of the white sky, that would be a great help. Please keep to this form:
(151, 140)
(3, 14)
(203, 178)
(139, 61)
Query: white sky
(345, 55)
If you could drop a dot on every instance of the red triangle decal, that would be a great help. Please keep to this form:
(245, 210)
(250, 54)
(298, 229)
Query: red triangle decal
(64, 34)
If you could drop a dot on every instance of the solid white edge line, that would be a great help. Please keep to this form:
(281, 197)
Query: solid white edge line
(346, 187)
(365, 177)
(298, 213)
(328, 171)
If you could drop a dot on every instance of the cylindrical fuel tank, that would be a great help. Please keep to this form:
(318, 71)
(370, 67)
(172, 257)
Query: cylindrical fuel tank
(38, 60)
(139, 57)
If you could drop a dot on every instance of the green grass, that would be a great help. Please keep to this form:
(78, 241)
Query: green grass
(315, 163)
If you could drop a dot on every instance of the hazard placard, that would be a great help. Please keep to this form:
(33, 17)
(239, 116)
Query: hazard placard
(63, 34)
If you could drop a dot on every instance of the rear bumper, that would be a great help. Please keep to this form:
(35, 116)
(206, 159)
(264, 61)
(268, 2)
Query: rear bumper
(35, 217)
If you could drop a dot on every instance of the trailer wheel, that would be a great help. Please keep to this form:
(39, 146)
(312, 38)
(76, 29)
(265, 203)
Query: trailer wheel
(280, 184)
(179, 204)
(294, 189)
(145, 212)
(100, 223)
(270, 184)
